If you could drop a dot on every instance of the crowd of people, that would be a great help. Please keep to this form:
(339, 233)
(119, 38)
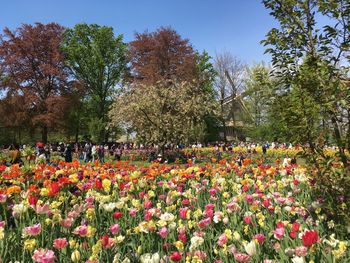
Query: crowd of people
(85, 151)
(90, 152)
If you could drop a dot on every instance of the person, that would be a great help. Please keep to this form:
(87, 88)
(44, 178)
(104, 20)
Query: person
(286, 161)
(240, 159)
(193, 155)
(118, 153)
(41, 156)
(101, 153)
(15, 154)
(264, 148)
(152, 156)
(93, 152)
(87, 152)
(159, 158)
(68, 153)
(47, 153)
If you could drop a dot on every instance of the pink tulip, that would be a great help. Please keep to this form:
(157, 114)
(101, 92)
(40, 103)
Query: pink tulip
(133, 212)
(185, 202)
(42, 209)
(163, 232)
(209, 213)
(247, 219)
(147, 215)
(249, 199)
(114, 229)
(2, 224)
(60, 243)
(33, 230)
(222, 240)
(260, 238)
(301, 251)
(89, 199)
(209, 206)
(279, 233)
(240, 257)
(232, 249)
(43, 256)
(147, 204)
(67, 223)
(3, 198)
(233, 207)
(183, 212)
(200, 254)
(204, 222)
(81, 231)
(212, 191)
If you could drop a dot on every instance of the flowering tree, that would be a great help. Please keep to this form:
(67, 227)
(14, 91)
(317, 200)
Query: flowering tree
(162, 113)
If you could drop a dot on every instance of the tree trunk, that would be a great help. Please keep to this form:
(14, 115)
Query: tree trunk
(340, 144)
(44, 134)
(77, 134)
(223, 120)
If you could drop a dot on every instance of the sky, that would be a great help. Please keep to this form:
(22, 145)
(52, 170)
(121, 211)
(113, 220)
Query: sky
(236, 26)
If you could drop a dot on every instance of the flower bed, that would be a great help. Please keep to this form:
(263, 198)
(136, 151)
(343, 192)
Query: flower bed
(217, 212)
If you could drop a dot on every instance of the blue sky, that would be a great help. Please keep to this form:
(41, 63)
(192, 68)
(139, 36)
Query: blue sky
(222, 25)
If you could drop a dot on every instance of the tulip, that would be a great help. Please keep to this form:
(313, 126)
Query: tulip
(163, 232)
(250, 248)
(75, 256)
(176, 256)
(60, 243)
(114, 229)
(33, 230)
(44, 256)
(310, 237)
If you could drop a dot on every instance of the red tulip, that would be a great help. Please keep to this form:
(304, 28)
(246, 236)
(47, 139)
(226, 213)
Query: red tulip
(310, 237)
(32, 200)
(293, 234)
(295, 227)
(176, 256)
(117, 215)
(98, 184)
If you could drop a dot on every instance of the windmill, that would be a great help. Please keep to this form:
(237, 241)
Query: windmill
(236, 108)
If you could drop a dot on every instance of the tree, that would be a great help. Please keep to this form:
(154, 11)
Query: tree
(15, 116)
(314, 61)
(161, 55)
(259, 89)
(33, 68)
(312, 64)
(98, 59)
(162, 113)
(228, 67)
(207, 129)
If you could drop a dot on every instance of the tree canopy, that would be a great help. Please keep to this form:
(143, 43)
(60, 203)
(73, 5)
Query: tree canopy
(34, 74)
(312, 65)
(161, 55)
(97, 58)
(166, 115)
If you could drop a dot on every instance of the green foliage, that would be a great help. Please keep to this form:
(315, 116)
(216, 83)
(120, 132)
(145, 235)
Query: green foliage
(205, 72)
(312, 62)
(98, 59)
(312, 100)
(331, 190)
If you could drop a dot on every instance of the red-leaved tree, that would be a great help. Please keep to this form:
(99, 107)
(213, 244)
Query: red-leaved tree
(161, 55)
(32, 67)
